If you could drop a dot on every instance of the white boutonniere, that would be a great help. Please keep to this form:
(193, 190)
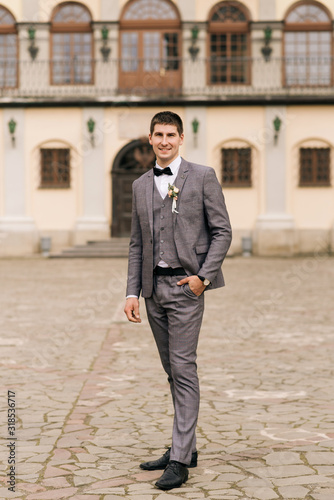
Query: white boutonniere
(172, 193)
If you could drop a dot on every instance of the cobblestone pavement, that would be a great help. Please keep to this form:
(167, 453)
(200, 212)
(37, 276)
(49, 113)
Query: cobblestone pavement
(92, 401)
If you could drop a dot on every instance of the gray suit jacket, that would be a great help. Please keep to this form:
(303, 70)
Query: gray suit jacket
(202, 230)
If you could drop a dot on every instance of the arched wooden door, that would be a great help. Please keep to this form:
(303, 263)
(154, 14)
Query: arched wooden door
(131, 162)
(150, 47)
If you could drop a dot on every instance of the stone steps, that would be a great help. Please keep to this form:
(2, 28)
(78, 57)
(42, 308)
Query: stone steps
(113, 248)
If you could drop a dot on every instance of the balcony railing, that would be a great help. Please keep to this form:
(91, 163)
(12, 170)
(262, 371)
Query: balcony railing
(135, 79)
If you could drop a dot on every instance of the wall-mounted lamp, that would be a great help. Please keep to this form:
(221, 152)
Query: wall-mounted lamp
(195, 126)
(277, 126)
(91, 128)
(105, 50)
(12, 128)
(266, 49)
(33, 50)
(193, 49)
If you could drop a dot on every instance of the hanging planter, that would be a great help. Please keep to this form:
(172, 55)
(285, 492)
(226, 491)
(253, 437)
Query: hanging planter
(193, 49)
(105, 50)
(33, 50)
(266, 49)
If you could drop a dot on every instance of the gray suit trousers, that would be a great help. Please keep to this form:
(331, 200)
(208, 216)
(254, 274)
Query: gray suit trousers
(175, 315)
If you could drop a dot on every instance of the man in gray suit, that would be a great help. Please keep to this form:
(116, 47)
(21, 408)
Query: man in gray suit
(179, 238)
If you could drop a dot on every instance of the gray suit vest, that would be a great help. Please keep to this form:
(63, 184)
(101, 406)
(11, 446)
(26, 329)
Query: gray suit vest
(163, 235)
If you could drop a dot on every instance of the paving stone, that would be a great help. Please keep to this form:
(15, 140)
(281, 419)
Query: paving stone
(324, 470)
(86, 497)
(283, 471)
(212, 485)
(261, 493)
(88, 404)
(293, 492)
(85, 457)
(283, 458)
(55, 471)
(112, 497)
(109, 483)
(320, 458)
(53, 494)
(33, 488)
(57, 482)
(193, 495)
(4, 493)
(166, 496)
(305, 480)
(323, 493)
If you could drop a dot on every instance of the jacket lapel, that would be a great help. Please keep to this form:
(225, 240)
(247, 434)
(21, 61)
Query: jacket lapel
(179, 182)
(149, 198)
(182, 175)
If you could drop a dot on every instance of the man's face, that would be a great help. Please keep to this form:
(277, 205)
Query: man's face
(166, 142)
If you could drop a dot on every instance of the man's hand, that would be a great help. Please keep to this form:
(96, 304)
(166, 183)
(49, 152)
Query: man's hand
(131, 310)
(195, 284)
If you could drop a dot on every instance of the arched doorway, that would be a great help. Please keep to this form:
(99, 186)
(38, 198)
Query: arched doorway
(131, 162)
(150, 47)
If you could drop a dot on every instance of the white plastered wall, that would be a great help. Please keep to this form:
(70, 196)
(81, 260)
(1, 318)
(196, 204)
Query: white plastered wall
(229, 125)
(53, 209)
(312, 208)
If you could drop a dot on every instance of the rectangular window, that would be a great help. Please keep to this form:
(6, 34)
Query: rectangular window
(170, 49)
(72, 59)
(8, 61)
(129, 58)
(308, 59)
(151, 51)
(229, 63)
(55, 168)
(237, 167)
(314, 166)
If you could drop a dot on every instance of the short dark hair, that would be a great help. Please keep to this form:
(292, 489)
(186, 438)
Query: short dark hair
(167, 118)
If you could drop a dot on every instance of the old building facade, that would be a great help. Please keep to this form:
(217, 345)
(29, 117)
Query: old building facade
(79, 82)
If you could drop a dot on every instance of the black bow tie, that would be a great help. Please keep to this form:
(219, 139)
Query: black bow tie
(159, 171)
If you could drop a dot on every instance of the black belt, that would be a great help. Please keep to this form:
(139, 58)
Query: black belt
(169, 271)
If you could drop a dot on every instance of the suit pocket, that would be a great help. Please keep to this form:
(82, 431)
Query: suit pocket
(188, 292)
(202, 248)
(201, 253)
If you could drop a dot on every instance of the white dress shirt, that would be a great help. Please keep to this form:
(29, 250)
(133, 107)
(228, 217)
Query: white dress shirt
(163, 180)
(161, 183)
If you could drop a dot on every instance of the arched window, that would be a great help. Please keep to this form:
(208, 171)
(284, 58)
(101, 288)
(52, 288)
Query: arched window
(308, 45)
(8, 49)
(71, 45)
(229, 44)
(150, 46)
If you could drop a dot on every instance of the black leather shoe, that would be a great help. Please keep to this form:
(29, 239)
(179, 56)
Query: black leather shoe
(162, 462)
(174, 476)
